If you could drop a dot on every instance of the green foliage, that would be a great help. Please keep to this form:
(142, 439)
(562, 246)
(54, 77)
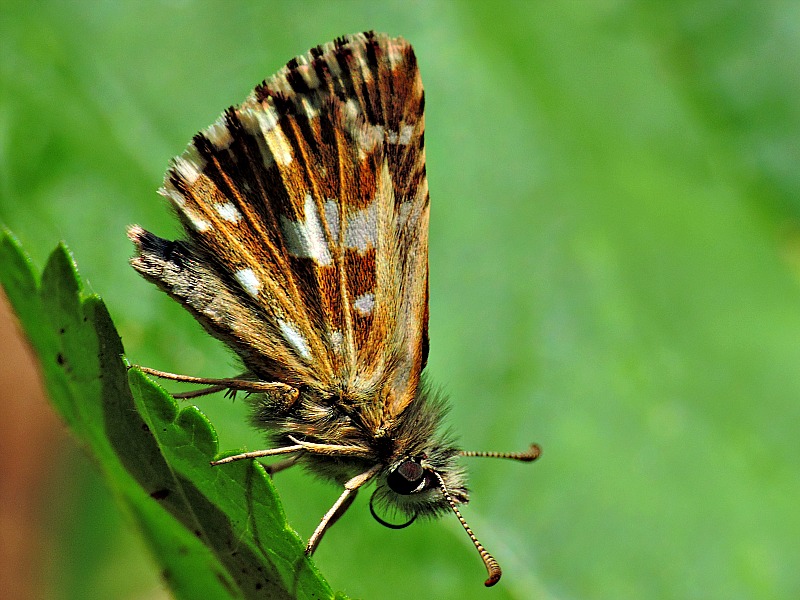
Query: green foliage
(615, 268)
(216, 532)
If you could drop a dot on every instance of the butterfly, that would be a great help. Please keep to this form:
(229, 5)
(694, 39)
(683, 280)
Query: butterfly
(305, 211)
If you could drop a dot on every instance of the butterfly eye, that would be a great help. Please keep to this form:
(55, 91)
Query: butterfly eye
(407, 478)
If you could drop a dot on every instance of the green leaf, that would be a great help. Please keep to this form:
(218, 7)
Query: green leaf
(217, 532)
(614, 259)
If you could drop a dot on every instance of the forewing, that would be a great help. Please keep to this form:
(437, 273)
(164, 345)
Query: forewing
(306, 211)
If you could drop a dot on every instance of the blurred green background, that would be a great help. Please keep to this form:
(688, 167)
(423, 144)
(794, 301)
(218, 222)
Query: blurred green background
(615, 274)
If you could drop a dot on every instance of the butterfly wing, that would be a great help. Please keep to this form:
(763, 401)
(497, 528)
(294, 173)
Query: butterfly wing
(306, 213)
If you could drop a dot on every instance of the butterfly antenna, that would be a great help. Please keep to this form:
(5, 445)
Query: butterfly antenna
(529, 456)
(492, 566)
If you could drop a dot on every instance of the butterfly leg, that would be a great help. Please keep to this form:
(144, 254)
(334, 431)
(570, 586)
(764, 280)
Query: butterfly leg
(216, 385)
(257, 454)
(339, 507)
(301, 446)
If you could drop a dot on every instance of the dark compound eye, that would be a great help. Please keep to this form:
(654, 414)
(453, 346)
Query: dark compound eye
(407, 478)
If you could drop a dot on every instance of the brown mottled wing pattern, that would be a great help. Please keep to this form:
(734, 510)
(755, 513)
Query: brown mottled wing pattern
(306, 211)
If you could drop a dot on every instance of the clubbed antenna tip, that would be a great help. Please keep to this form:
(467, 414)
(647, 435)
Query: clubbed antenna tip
(492, 566)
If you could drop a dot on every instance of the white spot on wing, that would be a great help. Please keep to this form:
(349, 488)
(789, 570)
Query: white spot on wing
(403, 138)
(249, 281)
(367, 137)
(170, 193)
(297, 341)
(363, 66)
(267, 118)
(309, 75)
(229, 212)
(361, 231)
(198, 223)
(394, 55)
(280, 83)
(248, 116)
(365, 303)
(311, 112)
(189, 166)
(330, 59)
(352, 110)
(402, 215)
(337, 339)
(219, 135)
(406, 131)
(332, 217)
(306, 239)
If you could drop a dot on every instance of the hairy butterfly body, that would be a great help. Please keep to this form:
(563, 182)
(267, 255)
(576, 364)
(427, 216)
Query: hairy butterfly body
(306, 217)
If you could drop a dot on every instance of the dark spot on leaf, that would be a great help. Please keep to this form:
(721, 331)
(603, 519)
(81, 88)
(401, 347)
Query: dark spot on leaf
(60, 358)
(145, 427)
(198, 533)
(62, 331)
(160, 494)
